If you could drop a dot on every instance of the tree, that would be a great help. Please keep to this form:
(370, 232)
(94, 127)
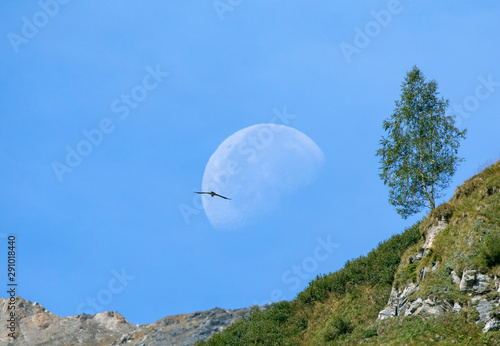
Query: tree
(419, 154)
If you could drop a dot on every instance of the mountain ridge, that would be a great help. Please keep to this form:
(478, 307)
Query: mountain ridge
(35, 325)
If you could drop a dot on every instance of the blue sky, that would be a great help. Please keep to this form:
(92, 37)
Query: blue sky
(160, 85)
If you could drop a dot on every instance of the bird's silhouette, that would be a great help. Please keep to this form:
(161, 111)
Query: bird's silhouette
(211, 193)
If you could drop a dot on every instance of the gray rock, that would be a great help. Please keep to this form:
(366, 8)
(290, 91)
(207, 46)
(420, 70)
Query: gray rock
(37, 326)
(455, 278)
(468, 281)
(473, 282)
(484, 307)
(424, 273)
(390, 309)
(413, 307)
(428, 308)
(482, 284)
(457, 307)
(417, 257)
(431, 234)
(492, 324)
(434, 267)
(397, 303)
(475, 300)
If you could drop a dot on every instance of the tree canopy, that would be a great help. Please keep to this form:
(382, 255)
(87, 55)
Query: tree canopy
(418, 155)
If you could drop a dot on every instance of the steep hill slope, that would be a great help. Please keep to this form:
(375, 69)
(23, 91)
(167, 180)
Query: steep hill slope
(438, 281)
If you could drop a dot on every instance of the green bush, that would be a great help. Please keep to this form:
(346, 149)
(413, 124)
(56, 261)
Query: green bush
(443, 212)
(340, 327)
(376, 268)
(370, 332)
(491, 249)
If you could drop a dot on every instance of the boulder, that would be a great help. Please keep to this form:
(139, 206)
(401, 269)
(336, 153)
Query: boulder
(468, 281)
(434, 267)
(457, 307)
(492, 324)
(428, 307)
(455, 278)
(484, 307)
(424, 273)
(390, 309)
(431, 234)
(482, 284)
(397, 303)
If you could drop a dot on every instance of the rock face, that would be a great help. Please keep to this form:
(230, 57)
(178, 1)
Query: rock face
(186, 329)
(473, 282)
(37, 326)
(428, 307)
(470, 282)
(398, 301)
(431, 234)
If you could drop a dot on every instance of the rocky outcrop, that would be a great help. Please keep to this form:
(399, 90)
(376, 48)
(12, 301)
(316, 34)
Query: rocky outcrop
(474, 283)
(397, 303)
(455, 278)
(428, 307)
(186, 329)
(493, 324)
(485, 309)
(431, 233)
(38, 326)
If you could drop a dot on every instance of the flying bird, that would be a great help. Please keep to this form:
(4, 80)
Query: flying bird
(211, 193)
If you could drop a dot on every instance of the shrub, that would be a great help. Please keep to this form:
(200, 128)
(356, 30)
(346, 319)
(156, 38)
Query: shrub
(370, 332)
(443, 212)
(468, 187)
(340, 327)
(491, 249)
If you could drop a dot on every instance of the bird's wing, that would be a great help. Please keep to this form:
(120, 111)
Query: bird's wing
(221, 196)
(202, 193)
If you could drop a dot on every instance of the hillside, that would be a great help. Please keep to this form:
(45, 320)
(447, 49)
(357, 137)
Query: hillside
(436, 282)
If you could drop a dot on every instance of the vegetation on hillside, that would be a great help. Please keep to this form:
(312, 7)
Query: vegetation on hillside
(342, 307)
(291, 323)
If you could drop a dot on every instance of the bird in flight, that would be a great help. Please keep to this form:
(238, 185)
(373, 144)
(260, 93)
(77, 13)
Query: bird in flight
(211, 193)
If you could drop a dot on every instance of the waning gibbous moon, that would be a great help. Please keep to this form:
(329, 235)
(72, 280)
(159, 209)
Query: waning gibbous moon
(256, 167)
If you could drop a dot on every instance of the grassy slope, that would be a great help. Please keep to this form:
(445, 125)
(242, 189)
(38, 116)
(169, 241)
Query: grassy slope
(342, 307)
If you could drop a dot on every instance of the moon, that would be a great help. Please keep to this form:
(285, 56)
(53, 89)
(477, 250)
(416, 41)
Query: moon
(257, 167)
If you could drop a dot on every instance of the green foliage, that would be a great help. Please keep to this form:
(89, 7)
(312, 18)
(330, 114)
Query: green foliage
(411, 271)
(340, 326)
(370, 332)
(378, 267)
(491, 250)
(285, 322)
(262, 327)
(443, 212)
(419, 155)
